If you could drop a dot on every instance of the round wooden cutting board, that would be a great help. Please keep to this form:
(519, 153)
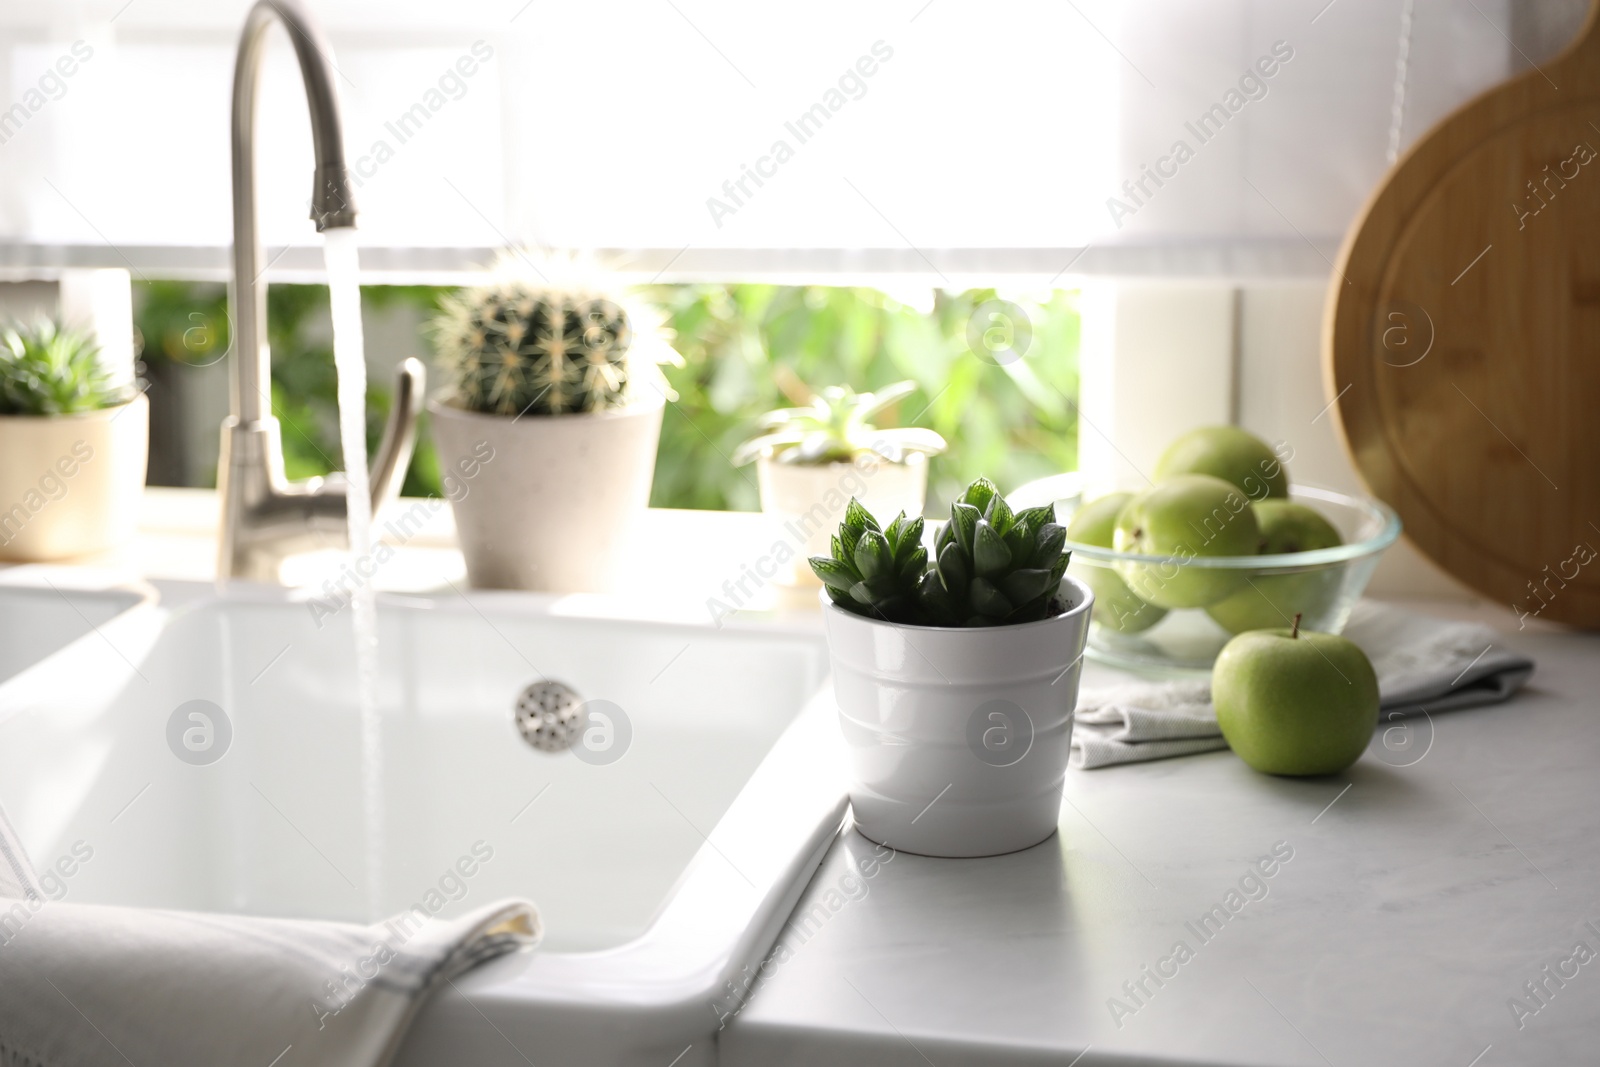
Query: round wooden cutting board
(1462, 340)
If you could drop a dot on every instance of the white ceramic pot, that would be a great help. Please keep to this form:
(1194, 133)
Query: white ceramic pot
(807, 502)
(547, 502)
(958, 738)
(70, 485)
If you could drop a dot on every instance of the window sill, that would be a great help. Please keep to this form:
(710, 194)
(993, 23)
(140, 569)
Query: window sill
(684, 567)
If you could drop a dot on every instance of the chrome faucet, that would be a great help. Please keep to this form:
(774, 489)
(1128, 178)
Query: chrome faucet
(266, 517)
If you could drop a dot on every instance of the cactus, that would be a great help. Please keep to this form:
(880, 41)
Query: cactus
(516, 348)
(993, 567)
(873, 571)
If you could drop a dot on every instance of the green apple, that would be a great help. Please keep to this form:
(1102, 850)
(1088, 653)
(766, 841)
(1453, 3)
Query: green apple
(1229, 453)
(1270, 600)
(1185, 517)
(1115, 605)
(1295, 703)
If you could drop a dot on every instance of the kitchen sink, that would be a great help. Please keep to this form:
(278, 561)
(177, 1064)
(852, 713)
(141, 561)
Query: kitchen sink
(211, 754)
(39, 617)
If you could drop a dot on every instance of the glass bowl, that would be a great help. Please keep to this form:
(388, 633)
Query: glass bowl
(1250, 592)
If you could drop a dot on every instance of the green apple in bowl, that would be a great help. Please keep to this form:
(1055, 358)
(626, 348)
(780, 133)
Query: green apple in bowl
(1295, 703)
(1226, 452)
(1185, 517)
(1272, 599)
(1116, 607)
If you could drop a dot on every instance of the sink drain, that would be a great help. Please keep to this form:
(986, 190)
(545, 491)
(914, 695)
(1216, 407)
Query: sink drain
(550, 716)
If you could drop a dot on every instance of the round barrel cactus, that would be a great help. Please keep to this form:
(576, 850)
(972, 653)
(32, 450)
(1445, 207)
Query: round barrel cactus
(515, 348)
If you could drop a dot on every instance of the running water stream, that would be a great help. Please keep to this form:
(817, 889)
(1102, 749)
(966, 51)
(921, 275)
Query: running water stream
(349, 357)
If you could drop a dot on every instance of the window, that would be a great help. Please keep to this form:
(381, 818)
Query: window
(707, 139)
(747, 348)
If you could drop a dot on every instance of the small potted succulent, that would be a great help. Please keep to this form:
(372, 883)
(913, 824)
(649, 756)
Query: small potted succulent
(73, 444)
(955, 672)
(552, 415)
(811, 460)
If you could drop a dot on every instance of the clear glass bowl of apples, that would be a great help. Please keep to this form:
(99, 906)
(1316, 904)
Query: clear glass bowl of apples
(1218, 544)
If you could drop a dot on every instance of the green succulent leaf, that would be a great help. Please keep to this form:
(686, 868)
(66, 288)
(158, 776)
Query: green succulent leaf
(953, 568)
(1019, 543)
(1025, 585)
(939, 607)
(847, 537)
(895, 445)
(1048, 543)
(870, 404)
(964, 520)
(990, 556)
(758, 446)
(875, 591)
(895, 531)
(874, 557)
(979, 493)
(987, 600)
(856, 515)
(910, 541)
(999, 514)
(834, 574)
(913, 565)
(837, 426)
(1035, 518)
(1059, 569)
(803, 419)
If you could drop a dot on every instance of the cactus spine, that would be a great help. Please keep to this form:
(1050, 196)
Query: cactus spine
(515, 348)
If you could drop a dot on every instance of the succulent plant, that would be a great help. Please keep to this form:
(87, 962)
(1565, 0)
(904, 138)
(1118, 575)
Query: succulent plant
(835, 428)
(517, 348)
(46, 369)
(993, 567)
(873, 571)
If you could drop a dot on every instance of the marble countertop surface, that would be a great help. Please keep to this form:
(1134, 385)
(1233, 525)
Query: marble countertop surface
(1411, 911)
(1417, 911)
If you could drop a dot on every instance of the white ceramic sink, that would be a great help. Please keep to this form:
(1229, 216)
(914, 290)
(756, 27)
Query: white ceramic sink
(660, 875)
(38, 617)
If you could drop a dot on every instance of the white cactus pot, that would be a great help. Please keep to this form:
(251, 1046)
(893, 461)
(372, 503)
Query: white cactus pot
(958, 738)
(70, 485)
(547, 502)
(807, 502)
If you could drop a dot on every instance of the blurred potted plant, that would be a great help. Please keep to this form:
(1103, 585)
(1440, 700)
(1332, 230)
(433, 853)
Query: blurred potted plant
(810, 461)
(551, 422)
(72, 446)
(956, 675)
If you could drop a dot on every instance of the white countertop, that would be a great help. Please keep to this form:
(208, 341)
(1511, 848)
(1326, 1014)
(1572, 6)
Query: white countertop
(1418, 900)
(690, 565)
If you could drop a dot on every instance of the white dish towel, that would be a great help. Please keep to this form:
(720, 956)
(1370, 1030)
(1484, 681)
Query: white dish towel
(1423, 665)
(86, 985)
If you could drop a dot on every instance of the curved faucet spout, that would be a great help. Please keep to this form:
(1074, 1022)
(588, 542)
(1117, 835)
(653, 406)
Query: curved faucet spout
(264, 516)
(331, 202)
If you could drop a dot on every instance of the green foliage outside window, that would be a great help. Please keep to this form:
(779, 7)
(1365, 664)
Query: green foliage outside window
(750, 348)
(747, 348)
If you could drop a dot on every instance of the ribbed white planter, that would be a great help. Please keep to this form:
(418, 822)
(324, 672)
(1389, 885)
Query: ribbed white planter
(808, 501)
(958, 738)
(547, 502)
(70, 485)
